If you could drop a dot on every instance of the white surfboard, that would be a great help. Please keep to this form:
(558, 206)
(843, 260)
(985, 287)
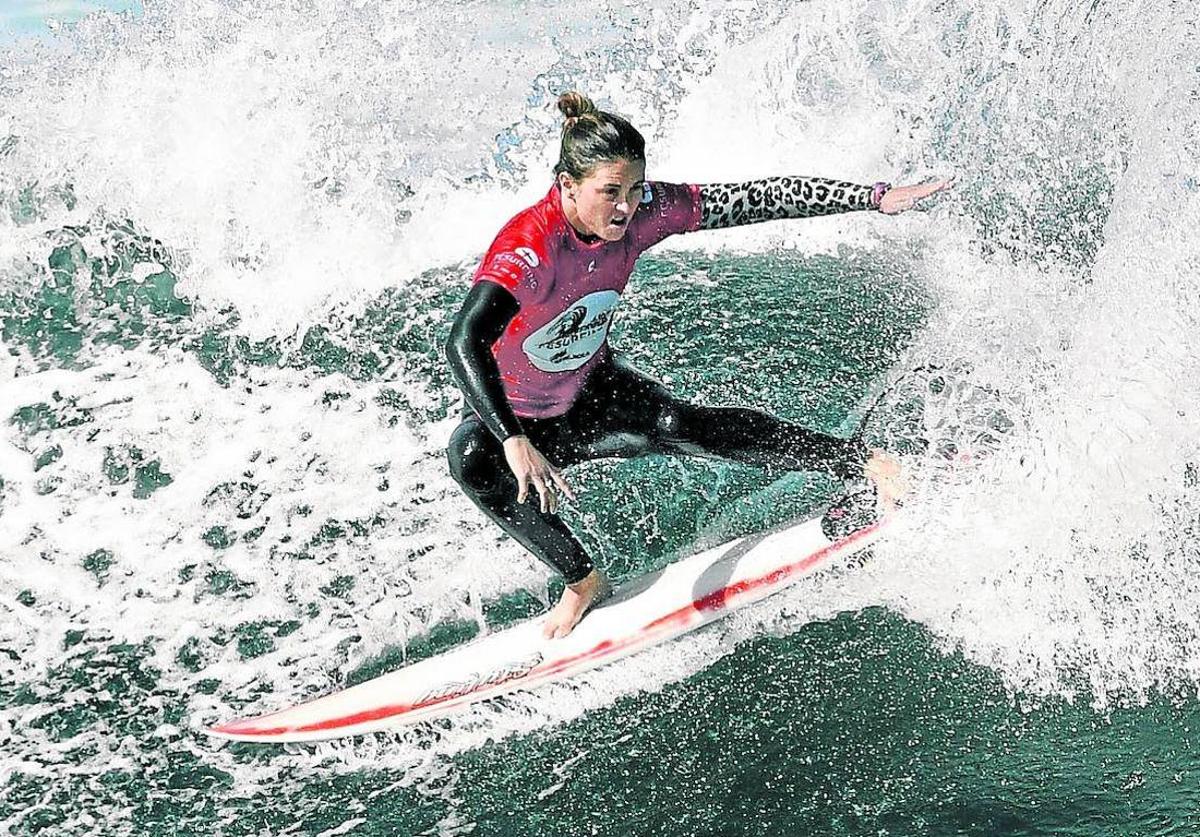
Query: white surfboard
(647, 611)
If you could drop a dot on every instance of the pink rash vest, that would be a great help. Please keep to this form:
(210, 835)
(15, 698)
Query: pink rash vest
(567, 289)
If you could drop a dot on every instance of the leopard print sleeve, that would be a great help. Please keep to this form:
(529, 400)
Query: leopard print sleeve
(734, 204)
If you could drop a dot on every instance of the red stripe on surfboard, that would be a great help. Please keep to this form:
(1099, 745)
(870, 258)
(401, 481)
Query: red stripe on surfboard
(681, 617)
(706, 604)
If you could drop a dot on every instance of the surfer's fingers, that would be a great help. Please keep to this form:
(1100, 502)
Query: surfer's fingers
(543, 491)
(924, 190)
(522, 487)
(557, 476)
(549, 496)
(932, 187)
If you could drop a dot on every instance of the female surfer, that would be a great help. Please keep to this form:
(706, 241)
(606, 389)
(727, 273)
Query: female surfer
(529, 346)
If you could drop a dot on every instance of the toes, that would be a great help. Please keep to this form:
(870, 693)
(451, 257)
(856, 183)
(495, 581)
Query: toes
(551, 627)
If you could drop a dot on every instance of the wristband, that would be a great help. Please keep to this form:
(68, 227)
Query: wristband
(877, 193)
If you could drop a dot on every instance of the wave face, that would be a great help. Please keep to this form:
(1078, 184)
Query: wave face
(232, 236)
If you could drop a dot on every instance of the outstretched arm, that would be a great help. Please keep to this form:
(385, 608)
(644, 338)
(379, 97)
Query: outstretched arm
(774, 198)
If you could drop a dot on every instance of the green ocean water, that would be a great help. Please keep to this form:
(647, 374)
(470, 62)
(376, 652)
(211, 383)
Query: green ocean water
(857, 724)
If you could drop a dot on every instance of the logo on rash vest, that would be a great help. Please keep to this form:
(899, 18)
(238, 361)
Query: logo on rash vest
(478, 680)
(528, 255)
(569, 340)
(647, 193)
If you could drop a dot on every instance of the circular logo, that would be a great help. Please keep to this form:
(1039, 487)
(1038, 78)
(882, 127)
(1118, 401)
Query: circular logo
(528, 255)
(569, 340)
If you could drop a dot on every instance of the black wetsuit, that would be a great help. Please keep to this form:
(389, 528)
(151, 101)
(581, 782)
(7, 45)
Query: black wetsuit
(620, 411)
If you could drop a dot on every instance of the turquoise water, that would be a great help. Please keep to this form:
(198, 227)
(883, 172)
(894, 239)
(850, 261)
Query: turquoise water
(224, 410)
(29, 17)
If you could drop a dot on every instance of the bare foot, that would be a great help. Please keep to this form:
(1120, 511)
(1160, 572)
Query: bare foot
(885, 472)
(575, 601)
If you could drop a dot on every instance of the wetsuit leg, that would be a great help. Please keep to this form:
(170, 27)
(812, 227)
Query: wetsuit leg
(622, 413)
(628, 412)
(477, 463)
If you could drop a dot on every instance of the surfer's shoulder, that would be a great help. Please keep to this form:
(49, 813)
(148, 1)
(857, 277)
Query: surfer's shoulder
(525, 245)
(534, 225)
(665, 208)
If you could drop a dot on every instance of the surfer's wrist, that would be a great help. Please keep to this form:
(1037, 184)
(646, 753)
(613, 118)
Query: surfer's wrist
(878, 190)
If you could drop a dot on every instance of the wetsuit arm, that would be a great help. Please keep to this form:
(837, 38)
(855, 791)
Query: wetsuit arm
(774, 198)
(483, 317)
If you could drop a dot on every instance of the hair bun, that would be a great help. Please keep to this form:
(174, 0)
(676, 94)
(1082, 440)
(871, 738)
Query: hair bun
(574, 104)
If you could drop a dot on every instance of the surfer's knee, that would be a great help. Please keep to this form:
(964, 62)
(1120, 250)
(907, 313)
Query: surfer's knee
(473, 461)
(671, 421)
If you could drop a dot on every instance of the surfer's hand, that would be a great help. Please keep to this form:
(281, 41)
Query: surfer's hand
(900, 198)
(531, 468)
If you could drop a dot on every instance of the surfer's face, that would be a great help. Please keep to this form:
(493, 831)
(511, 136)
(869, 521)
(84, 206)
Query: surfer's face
(603, 203)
